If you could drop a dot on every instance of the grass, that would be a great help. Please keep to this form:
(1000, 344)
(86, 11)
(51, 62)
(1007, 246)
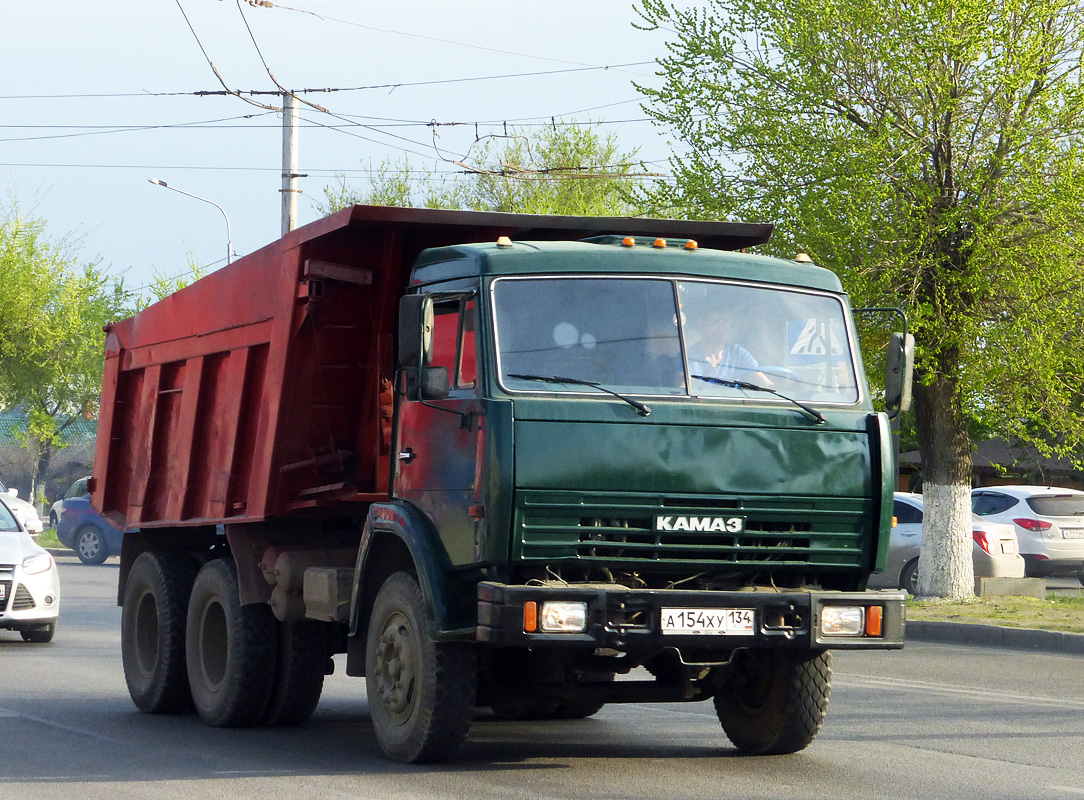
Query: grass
(47, 538)
(1056, 613)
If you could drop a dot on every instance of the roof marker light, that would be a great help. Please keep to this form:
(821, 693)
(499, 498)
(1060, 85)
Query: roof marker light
(628, 241)
(660, 242)
(504, 241)
(691, 245)
(803, 258)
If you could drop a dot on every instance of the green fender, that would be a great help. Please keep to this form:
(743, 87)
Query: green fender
(450, 595)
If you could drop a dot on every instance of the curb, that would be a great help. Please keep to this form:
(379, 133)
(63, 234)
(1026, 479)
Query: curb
(995, 636)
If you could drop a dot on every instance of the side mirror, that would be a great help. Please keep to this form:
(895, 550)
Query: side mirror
(900, 366)
(415, 330)
(13, 492)
(433, 384)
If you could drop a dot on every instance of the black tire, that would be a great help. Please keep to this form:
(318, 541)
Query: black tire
(152, 624)
(90, 545)
(909, 576)
(421, 693)
(776, 701)
(42, 634)
(577, 710)
(230, 650)
(299, 677)
(52, 519)
(1080, 577)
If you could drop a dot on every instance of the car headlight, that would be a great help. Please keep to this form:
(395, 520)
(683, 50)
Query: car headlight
(42, 562)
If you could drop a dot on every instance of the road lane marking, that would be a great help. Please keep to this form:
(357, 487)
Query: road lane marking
(868, 681)
(6, 712)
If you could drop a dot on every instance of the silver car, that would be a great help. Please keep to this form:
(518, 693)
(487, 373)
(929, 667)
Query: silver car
(994, 548)
(29, 582)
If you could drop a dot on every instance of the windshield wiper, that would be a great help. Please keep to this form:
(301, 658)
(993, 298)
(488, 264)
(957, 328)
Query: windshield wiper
(641, 409)
(812, 412)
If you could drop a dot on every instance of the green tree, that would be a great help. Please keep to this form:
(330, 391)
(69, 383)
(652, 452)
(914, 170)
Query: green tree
(565, 169)
(929, 153)
(52, 310)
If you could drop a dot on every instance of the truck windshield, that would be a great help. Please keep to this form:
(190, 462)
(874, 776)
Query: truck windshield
(658, 336)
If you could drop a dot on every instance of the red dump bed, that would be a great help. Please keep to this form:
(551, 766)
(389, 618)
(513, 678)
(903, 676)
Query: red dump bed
(264, 389)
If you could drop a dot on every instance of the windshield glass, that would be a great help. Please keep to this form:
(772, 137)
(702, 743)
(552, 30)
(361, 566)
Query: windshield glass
(7, 520)
(654, 336)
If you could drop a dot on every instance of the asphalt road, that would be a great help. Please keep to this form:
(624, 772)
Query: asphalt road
(931, 721)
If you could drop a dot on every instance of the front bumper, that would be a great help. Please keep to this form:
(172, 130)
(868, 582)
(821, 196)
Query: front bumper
(630, 619)
(28, 600)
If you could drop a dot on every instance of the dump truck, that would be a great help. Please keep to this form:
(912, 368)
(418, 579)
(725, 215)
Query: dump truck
(507, 464)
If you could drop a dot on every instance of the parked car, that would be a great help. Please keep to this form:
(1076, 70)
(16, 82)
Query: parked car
(84, 530)
(23, 511)
(1049, 523)
(994, 548)
(29, 581)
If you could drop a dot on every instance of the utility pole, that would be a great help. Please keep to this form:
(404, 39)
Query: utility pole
(289, 163)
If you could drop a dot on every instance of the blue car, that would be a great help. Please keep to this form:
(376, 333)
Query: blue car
(84, 530)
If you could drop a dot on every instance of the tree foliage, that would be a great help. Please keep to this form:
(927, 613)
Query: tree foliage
(929, 152)
(566, 169)
(52, 309)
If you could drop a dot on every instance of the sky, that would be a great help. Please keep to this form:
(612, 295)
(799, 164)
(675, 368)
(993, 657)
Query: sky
(98, 98)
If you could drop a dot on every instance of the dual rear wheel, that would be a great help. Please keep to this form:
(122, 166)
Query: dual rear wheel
(188, 642)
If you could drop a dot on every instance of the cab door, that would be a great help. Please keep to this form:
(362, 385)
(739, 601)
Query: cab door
(439, 442)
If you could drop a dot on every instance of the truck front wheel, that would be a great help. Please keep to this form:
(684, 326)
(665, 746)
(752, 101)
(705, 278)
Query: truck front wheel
(776, 700)
(421, 693)
(231, 650)
(153, 619)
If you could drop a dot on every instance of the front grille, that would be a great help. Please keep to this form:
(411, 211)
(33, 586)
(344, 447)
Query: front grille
(613, 529)
(23, 601)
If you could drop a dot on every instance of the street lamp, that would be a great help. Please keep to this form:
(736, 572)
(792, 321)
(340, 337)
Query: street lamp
(229, 243)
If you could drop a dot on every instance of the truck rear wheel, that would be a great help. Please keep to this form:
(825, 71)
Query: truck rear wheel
(299, 678)
(421, 693)
(230, 648)
(776, 701)
(153, 619)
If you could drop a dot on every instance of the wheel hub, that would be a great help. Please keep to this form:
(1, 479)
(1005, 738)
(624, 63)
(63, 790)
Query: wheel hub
(396, 668)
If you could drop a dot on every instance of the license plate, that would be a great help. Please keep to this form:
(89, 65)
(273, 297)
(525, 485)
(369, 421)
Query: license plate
(1072, 533)
(708, 621)
(3, 591)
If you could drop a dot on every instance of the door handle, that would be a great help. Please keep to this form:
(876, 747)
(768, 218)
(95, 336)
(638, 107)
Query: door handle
(408, 455)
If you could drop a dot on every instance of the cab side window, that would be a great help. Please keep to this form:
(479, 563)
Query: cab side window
(454, 341)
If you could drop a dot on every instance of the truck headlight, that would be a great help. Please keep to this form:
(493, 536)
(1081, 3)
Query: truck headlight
(563, 616)
(843, 620)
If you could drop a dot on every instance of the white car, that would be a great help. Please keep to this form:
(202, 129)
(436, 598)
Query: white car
(29, 582)
(994, 548)
(1049, 523)
(24, 511)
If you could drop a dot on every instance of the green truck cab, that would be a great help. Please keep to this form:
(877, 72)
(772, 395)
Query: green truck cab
(621, 490)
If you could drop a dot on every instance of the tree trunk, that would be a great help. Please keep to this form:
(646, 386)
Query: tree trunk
(945, 565)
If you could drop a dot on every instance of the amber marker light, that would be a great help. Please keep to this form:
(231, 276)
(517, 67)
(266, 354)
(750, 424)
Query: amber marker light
(504, 241)
(874, 620)
(659, 243)
(628, 241)
(691, 245)
(530, 616)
